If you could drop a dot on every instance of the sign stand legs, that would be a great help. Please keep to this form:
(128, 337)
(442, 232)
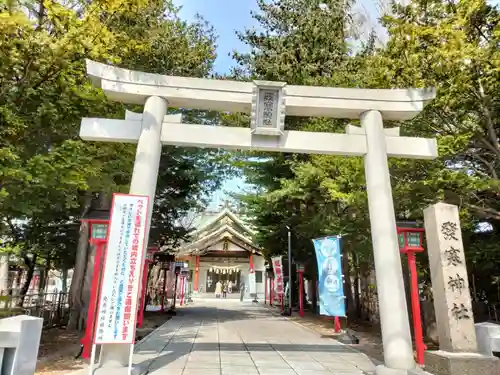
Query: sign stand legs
(131, 355)
(92, 359)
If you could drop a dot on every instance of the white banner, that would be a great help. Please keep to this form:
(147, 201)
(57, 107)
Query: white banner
(117, 311)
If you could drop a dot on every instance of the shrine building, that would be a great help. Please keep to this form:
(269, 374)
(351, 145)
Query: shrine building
(221, 249)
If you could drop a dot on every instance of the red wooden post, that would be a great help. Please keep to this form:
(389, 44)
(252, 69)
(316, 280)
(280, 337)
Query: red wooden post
(411, 242)
(337, 324)
(415, 307)
(94, 295)
(163, 295)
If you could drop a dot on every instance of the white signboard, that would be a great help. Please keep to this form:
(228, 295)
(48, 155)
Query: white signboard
(252, 282)
(117, 311)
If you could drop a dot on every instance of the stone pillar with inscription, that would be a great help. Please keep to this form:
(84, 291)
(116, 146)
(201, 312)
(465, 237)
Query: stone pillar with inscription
(452, 300)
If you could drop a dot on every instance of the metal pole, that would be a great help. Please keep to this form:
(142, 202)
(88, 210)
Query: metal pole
(289, 271)
(301, 293)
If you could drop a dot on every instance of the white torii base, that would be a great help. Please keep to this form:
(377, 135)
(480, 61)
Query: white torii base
(372, 141)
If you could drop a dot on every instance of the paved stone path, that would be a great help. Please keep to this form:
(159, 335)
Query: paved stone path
(228, 337)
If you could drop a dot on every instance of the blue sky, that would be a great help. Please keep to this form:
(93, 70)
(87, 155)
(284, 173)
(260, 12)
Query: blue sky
(226, 16)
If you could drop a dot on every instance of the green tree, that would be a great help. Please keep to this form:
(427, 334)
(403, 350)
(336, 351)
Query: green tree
(46, 172)
(453, 47)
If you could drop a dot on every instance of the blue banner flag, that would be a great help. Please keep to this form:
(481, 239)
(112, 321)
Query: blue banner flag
(331, 286)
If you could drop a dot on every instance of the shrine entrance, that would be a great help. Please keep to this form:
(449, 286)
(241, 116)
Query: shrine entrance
(213, 276)
(221, 249)
(268, 103)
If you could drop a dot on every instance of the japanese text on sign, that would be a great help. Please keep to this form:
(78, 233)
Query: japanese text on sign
(122, 270)
(453, 257)
(278, 273)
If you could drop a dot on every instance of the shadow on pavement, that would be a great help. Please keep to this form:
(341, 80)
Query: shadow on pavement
(176, 347)
(176, 351)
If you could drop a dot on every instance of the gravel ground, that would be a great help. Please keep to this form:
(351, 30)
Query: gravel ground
(58, 346)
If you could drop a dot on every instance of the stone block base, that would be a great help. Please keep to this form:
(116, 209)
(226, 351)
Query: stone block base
(446, 363)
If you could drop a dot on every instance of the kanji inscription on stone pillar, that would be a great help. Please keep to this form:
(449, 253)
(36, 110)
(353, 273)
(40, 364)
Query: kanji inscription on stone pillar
(450, 286)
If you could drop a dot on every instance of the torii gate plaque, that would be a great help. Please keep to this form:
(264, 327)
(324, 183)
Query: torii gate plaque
(268, 103)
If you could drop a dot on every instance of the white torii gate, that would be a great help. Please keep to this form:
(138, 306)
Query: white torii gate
(269, 103)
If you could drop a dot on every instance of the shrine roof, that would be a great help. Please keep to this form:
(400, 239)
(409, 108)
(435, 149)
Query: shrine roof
(216, 227)
(210, 221)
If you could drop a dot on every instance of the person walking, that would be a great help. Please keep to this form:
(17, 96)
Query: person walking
(242, 290)
(224, 290)
(230, 287)
(218, 289)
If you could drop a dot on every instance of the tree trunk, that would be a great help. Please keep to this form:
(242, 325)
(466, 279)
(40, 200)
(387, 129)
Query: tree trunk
(87, 280)
(4, 273)
(19, 277)
(44, 275)
(154, 282)
(75, 291)
(64, 273)
(41, 279)
(357, 299)
(29, 276)
(351, 307)
(147, 295)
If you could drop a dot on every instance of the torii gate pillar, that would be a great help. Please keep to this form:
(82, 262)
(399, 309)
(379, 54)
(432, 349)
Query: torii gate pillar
(144, 177)
(398, 351)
